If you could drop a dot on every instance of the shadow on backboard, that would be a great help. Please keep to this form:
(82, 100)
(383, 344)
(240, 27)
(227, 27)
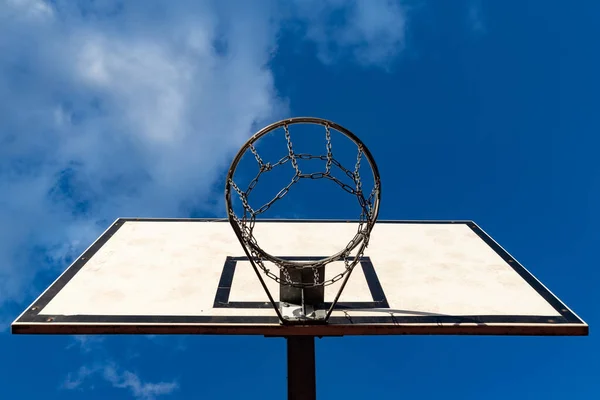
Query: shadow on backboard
(407, 316)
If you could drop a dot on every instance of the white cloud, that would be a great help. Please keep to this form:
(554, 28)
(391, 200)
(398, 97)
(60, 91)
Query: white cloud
(131, 109)
(85, 343)
(139, 389)
(475, 17)
(105, 117)
(75, 380)
(372, 32)
(119, 379)
(31, 8)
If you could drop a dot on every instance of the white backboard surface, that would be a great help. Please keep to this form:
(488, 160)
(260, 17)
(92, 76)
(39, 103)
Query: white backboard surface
(192, 277)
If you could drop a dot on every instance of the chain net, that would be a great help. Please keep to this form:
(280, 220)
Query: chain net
(246, 222)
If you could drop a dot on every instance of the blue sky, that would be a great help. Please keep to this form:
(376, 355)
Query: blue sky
(473, 110)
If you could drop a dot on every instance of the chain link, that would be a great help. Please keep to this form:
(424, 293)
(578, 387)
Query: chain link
(286, 275)
(329, 152)
(243, 197)
(291, 154)
(357, 180)
(256, 156)
(315, 277)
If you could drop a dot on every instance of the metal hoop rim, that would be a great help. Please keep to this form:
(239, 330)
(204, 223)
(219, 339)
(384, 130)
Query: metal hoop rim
(292, 121)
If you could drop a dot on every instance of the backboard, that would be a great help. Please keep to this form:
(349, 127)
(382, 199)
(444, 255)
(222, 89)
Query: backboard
(190, 276)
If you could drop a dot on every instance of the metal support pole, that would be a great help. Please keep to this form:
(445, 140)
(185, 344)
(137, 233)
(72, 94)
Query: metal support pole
(302, 383)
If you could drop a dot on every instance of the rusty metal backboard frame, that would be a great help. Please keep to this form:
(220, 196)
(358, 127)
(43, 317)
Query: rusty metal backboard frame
(39, 319)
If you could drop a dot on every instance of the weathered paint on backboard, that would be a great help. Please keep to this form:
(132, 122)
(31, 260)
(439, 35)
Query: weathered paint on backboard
(178, 276)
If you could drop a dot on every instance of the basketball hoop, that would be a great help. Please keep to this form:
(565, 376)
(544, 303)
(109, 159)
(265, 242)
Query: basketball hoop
(293, 273)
